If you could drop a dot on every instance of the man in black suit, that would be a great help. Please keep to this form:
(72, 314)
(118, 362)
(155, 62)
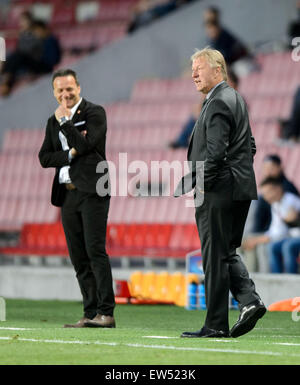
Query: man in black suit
(222, 142)
(74, 144)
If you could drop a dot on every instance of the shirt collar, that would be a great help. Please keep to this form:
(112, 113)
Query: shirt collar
(212, 90)
(74, 108)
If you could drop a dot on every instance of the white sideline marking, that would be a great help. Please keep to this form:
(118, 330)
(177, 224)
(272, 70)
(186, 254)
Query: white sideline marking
(165, 347)
(60, 341)
(285, 343)
(223, 340)
(162, 337)
(277, 336)
(4, 328)
(167, 337)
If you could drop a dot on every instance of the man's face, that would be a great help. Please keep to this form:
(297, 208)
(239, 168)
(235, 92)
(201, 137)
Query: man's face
(209, 16)
(212, 31)
(271, 169)
(205, 76)
(271, 193)
(66, 88)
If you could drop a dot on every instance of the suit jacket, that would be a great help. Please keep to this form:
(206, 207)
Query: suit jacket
(222, 139)
(91, 149)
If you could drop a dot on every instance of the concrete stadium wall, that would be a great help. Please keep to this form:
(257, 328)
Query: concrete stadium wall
(60, 283)
(160, 50)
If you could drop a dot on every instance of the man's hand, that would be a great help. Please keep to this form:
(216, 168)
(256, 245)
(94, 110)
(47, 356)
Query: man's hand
(291, 216)
(251, 242)
(73, 152)
(62, 110)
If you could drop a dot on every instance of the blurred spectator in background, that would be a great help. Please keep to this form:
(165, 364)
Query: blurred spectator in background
(145, 11)
(222, 40)
(294, 26)
(290, 129)
(37, 52)
(182, 141)
(27, 41)
(51, 51)
(211, 14)
(235, 52)
(283, 235)
(271, 168)
(27, 44)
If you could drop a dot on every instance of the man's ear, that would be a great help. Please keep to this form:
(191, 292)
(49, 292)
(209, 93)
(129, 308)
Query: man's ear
(218, 70)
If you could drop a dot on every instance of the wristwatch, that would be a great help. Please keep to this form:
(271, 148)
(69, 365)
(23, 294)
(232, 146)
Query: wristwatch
(63, 120)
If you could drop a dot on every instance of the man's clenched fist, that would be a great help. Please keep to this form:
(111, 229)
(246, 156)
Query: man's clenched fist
(62, 110)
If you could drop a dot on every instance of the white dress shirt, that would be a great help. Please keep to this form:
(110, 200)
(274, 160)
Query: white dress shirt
(64, 176)
(278, 228)
(212, 90)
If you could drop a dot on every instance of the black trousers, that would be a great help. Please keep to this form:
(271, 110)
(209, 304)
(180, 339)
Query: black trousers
(220, 222)
(84, 218)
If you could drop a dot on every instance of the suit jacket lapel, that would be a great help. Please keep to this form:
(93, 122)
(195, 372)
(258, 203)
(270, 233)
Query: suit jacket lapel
(204, 105)
(78, 113)
(203, 109)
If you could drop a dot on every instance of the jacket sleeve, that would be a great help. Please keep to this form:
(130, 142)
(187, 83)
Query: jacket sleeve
(48, 156)
(95, 127)
(219, 121)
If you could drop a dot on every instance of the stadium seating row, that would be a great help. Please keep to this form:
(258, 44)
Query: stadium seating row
(261, 109)
(141, 128)
(149, 136)
(70, 12)
(81, 26)
(152, 240)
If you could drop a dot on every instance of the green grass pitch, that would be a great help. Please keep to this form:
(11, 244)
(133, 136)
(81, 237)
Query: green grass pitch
(33, 335)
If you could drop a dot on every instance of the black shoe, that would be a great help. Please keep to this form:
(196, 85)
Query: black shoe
(205, 333)
(249, 315)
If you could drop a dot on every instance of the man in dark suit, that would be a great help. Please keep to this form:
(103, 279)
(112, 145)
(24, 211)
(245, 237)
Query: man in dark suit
(222, 142)
(74, 144)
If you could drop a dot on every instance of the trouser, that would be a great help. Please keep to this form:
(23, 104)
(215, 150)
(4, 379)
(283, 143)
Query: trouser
(220, 221)
(283, 255)
(84, 218)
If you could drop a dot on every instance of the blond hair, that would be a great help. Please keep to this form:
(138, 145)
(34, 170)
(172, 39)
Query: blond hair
(213, 57)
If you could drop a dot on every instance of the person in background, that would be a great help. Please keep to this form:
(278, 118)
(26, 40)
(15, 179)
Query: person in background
(271, 167)
(294, 26)
(27, 44)
(182, 141)
(221, 39)
(225, 42)
(37, 53)
(211, 14)
(283, 234)
(290, 129)
(51, 51)
(145, 11)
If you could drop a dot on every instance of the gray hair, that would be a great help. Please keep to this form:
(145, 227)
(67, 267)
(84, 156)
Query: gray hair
(213, 57)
